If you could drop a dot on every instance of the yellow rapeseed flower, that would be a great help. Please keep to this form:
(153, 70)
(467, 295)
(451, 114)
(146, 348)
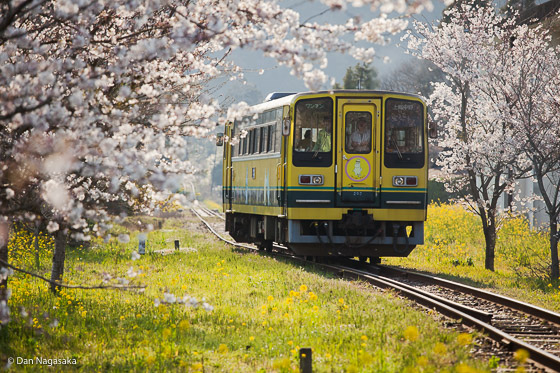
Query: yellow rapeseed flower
(440, 349)
(282, 365)
(521, 355)
(464, 368)
(184, 324)
(411, 333)
(166, 333)
(222, 349)
(422, 361)
(464, 339)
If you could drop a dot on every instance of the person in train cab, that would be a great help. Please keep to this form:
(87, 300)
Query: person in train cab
(360, 140)
(324, 137)
(306, 143)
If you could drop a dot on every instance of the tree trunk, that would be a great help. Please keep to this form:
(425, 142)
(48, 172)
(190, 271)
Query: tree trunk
(59, 256)
(4, 237)
(36, 232)
(490, 238)
(554, 269)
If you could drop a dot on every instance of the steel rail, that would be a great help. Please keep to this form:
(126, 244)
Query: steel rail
(540, 312)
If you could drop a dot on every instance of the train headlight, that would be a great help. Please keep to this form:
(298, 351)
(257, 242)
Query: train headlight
(401, 181)
(398, 180)
(311, 179)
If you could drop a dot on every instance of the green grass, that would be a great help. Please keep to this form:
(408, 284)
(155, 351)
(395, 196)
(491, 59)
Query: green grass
(264, 310)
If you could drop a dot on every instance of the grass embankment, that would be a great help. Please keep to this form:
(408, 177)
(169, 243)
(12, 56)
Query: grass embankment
(455, 248)
(264, 310)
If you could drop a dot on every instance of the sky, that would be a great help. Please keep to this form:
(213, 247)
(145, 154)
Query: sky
(278, 79)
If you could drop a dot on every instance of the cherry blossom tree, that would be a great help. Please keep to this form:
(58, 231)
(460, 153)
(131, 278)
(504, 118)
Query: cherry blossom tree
(483, 154)
(97, 97)
(534, 88)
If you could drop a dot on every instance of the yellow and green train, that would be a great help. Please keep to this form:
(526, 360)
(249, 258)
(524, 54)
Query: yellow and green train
(340, 173)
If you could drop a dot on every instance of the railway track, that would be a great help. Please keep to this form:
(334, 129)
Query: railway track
(511, 324)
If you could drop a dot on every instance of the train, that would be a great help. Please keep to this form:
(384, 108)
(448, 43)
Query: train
(329, 173)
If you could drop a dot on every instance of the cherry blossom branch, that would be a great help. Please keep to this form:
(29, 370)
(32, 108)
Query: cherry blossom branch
(58, 284)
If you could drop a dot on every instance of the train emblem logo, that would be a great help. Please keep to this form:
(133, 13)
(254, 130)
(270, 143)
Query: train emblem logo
(358, 168)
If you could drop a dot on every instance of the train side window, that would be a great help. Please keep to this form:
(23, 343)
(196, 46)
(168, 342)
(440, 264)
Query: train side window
(313, 132)
(256, 137)
(403, 139)
(269, 145)
(233, 148)
(250, 142)
(278, 130)
(263, 140)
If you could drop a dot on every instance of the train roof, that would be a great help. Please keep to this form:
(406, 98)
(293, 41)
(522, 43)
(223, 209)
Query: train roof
(288, 98)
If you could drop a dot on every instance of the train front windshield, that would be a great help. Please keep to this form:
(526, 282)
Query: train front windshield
(404, 142)
(313, 133)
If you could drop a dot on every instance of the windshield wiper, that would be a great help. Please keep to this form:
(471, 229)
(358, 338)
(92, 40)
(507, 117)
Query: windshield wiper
(398, 150)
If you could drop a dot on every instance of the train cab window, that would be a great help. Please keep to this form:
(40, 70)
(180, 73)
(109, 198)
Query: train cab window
(313, 131)
(403, 141)
(358, 132)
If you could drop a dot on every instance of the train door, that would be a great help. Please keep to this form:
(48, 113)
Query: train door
(283, 128)
(358, 169)
(227, 169)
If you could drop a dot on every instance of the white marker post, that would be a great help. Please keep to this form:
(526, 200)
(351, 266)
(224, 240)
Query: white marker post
(142, 244)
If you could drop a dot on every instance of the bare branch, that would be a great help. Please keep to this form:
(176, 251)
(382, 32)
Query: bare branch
(58, 284)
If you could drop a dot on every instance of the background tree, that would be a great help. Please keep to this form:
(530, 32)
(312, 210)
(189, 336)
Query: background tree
(458, 4)
(360, 76)
(415, 76)
(534, 89)
(514, 7)
(482, 152)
